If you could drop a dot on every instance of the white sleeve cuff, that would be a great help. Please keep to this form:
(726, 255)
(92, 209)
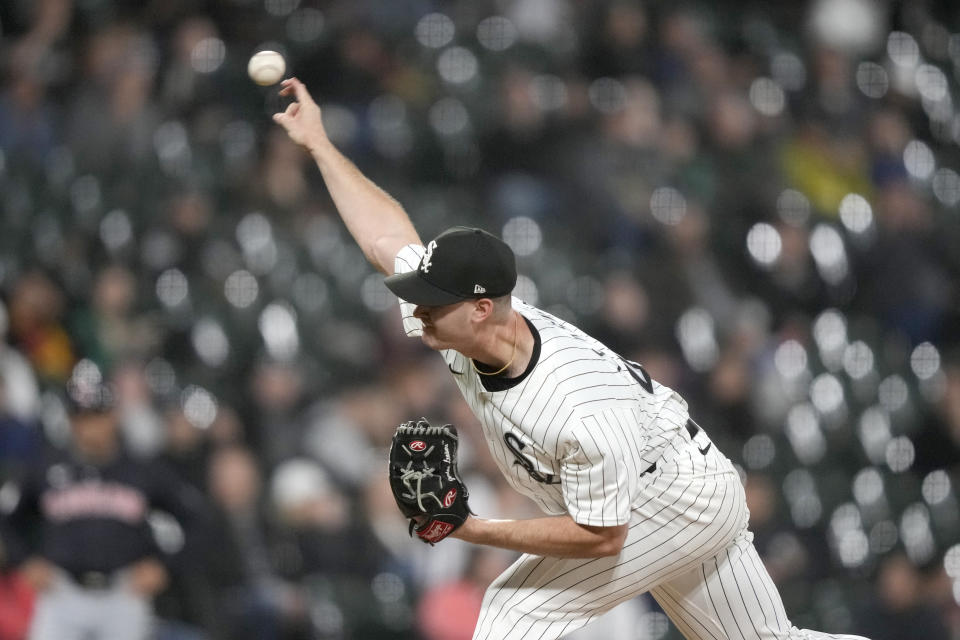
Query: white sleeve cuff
(408, 259)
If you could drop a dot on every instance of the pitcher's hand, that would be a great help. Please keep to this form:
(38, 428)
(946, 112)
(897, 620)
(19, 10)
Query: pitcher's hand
(301, 119)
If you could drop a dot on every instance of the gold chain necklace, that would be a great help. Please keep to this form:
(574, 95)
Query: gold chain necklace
(516, 334)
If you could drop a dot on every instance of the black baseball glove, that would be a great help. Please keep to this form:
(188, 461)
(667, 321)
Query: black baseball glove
(425, 481)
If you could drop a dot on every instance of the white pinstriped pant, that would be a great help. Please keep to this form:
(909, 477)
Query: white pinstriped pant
(688, 545)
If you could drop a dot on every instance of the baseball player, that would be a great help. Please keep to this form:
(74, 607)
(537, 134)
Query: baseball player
(638, 498)
(94, 562)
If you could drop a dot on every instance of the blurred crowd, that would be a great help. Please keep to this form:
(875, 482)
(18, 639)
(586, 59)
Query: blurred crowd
(758, 201)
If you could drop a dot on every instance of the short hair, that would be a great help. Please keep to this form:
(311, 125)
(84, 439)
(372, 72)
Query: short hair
(502, 305)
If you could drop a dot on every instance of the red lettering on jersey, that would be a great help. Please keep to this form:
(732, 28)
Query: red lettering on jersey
(418, 445)
(95, 500)
(450, 497)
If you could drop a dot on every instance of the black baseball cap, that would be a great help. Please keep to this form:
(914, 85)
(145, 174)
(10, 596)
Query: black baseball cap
(462, 263)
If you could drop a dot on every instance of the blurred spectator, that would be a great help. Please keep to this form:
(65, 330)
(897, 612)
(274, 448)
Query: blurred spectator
(449, 611)
(26, 118)
(899, 609)
(795, 559)
(619, 43)
(180, 83)
(359, 421)
(16, 605)
(36, 326)
(20, 441)
(21, 394)
(141, 424)
(112, 119)
(108, 330)
(337, 558)
(909, 286)
(20, 437)
(187, 449)
(276, 389)
(251, 599)
(95, 564)
(937, 592)
(938, 440)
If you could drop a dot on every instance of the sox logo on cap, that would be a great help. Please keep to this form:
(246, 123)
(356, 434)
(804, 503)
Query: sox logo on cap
(428, 256)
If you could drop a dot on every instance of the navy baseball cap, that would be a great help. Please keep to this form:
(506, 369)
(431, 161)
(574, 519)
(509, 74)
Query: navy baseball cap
(462, 263)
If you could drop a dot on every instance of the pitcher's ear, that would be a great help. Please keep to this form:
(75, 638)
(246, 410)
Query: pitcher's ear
(483, 308)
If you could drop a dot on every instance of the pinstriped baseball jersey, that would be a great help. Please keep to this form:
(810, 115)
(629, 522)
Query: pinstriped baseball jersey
(575, 433)
(579, 432)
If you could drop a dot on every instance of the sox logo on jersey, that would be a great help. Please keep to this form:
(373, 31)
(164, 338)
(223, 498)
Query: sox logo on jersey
(516, 447)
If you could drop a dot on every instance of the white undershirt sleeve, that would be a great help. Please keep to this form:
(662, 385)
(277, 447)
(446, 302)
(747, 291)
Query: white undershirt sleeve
(408, 259)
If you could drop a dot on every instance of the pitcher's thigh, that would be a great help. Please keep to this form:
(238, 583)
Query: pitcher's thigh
(731, 596)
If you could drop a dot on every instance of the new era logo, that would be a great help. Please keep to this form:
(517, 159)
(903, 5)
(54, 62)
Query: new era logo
(478, 289)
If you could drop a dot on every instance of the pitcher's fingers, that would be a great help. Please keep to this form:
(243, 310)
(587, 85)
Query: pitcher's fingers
(286, 114)
(286, 86)
(300, 89)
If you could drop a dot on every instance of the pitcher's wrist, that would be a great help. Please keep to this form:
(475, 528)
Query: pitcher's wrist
(319, 145)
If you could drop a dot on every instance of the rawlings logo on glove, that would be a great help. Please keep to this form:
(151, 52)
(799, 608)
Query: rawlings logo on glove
(425, 481)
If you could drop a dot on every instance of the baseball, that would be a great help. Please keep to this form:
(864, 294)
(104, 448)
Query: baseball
(266, 68)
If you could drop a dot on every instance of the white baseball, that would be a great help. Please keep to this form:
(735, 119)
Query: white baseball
(266, 68)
